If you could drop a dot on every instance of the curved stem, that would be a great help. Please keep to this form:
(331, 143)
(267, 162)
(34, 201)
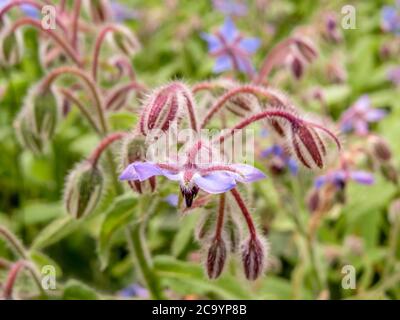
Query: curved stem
(35, 23)
(255, 90)
(220, 219)
(13, 241)
(36, 4)
(69, 95)
(123, 89)
(275, 56)
(104, 144)
(97, 47)
(16, 268)
(75, 23)
(54, 74)
(140, 251)
(245, 212)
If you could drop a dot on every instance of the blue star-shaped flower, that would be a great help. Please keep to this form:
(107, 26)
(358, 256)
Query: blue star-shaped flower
(231, 50)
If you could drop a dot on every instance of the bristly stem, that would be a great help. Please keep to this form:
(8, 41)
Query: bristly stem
(13, 241)
(251, 89)
(88, 81)
(220, 219)
(69, 95)
(63, 44)
(103, 145)
(246, 213)
(75, 23)
(123, 89)
(33, 3)
(16, 268)
(97, 47)
(138, 247)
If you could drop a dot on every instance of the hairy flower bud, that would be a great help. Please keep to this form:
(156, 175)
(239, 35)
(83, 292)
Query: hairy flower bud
(25, 133)
(313, 200)
(308, 146)
(125, 41)
(380, 148)
(134, 149)
(390, 172)
(11, 44)
(216, 258)
(306, 48)
(99, 10)
(253, 257)
(164, 107)
(83, 189)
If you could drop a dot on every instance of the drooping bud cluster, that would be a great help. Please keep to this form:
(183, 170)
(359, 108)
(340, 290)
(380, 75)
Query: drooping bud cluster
(302, 53)
(124, 40)
(36, 122)
(83, 190)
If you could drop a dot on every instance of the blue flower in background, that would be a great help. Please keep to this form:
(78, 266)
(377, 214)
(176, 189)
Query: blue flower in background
(122, 13)
(340, 177)
(359, 115)
(391, 18)
(134, 290)
(230, 7)
(281, 159)
(231, 50)
(27, 9)
(172, 200)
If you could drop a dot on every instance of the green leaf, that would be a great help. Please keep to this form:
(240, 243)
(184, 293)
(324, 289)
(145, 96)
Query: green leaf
(54, 232)
(75, 290)
(176, 273)
(120, 213)
(184, 234)
(35, 213)
(41, 260)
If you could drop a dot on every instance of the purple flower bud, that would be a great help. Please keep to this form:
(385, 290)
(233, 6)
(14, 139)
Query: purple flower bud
(164, 107)
(253, 257)
(313, 200)
(307, 49)
(216, 258)
(134, 149)
(83, 189)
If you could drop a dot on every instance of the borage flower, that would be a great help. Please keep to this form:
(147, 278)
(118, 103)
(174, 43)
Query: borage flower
(390, 18)
(213, 179)
(359, 115)
(339, 178)
(231, 49)
(281, 159)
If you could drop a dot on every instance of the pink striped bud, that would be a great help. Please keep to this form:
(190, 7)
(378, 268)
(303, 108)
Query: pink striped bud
(164, 107)
(297, 67)
(380, 148)
(308, 146)
(216, 258)
(253, 257)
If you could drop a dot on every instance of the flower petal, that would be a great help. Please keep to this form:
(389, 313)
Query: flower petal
(216, 182)
(249, 45)
(375, 115)
(247, 173)
(362, 177)
(214, 44)
(140, 171)
(228, 30)
(222, 63)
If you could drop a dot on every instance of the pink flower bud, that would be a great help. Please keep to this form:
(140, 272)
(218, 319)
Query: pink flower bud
(308, 146)
(253, 257)
(297, 67)
(380, 148)
(216, 258)
(164, 107)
